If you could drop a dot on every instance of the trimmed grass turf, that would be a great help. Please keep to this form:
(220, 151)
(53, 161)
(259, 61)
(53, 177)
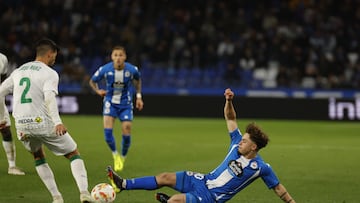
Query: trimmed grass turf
(316, 160)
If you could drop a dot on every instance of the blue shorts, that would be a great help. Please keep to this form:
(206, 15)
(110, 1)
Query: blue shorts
(194, 187)
(122, 113)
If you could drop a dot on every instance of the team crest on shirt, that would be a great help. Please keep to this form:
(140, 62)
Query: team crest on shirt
(127, 74)
(236, 167)
(254, 165)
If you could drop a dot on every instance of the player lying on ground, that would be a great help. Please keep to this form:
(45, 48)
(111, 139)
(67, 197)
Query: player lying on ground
(241, 166)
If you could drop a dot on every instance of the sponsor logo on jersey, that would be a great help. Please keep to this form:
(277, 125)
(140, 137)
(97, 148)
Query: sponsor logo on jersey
(30, 120)
(236, 167)
(26, 120)
(38, 119)
(118, 85)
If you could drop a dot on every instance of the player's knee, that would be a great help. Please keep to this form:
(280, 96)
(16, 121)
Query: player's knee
(73, 155)
(126, 127)
(6, 134)
(39, 154)
(166, 179)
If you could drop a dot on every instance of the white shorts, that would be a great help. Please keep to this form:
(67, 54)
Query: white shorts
(59, 145)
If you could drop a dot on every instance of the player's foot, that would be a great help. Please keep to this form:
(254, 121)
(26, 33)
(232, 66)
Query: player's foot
(15, 171)
(115, 180)
(58, 199)
(161, 197)
(118, 162)
(85, 197)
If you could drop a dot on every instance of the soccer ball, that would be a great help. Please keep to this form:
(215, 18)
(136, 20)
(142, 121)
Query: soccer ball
(103, 193)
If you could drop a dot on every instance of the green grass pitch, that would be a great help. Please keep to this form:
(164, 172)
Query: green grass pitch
(318, 161)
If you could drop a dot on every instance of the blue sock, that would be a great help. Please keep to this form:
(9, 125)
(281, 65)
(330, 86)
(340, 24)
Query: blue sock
(126, 141)
(143, 183)
(109, 138)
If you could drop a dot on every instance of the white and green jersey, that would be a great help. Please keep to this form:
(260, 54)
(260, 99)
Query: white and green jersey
(29, 83)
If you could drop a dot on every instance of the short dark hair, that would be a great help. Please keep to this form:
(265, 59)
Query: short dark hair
(119, 47)
(257, 135)
(44, 45)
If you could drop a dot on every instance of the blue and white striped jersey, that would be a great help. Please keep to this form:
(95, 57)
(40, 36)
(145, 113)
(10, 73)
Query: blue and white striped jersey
(119, 85)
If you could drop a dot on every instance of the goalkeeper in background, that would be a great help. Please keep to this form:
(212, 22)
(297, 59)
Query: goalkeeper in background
(8, 143)
(241, 166)
(121, 79)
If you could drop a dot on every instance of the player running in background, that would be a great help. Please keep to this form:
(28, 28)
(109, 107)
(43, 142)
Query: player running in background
(34, 86)
(121, 78)
(241, 166)
(8, 143)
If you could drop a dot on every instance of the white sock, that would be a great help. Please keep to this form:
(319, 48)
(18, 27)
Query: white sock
(9, 148)
(46, 175)
(80, 175)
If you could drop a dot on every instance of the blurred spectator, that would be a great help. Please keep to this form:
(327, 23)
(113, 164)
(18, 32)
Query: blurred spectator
(232, 75)
(195, 34)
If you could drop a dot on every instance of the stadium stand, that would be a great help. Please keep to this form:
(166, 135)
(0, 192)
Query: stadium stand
(313, 44)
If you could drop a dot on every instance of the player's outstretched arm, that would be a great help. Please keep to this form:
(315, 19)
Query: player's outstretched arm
(281, 191)
(229, 111)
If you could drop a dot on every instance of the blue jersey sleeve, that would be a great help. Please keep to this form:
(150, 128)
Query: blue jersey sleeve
(269, 177)
(235, 136)
(134, 70)
(137, 74)
(98, 75)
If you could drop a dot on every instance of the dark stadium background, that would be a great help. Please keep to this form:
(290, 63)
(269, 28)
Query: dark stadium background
(271, 53)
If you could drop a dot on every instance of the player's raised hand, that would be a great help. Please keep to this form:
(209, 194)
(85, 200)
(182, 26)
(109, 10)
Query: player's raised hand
(229, 95)
(139, 104)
